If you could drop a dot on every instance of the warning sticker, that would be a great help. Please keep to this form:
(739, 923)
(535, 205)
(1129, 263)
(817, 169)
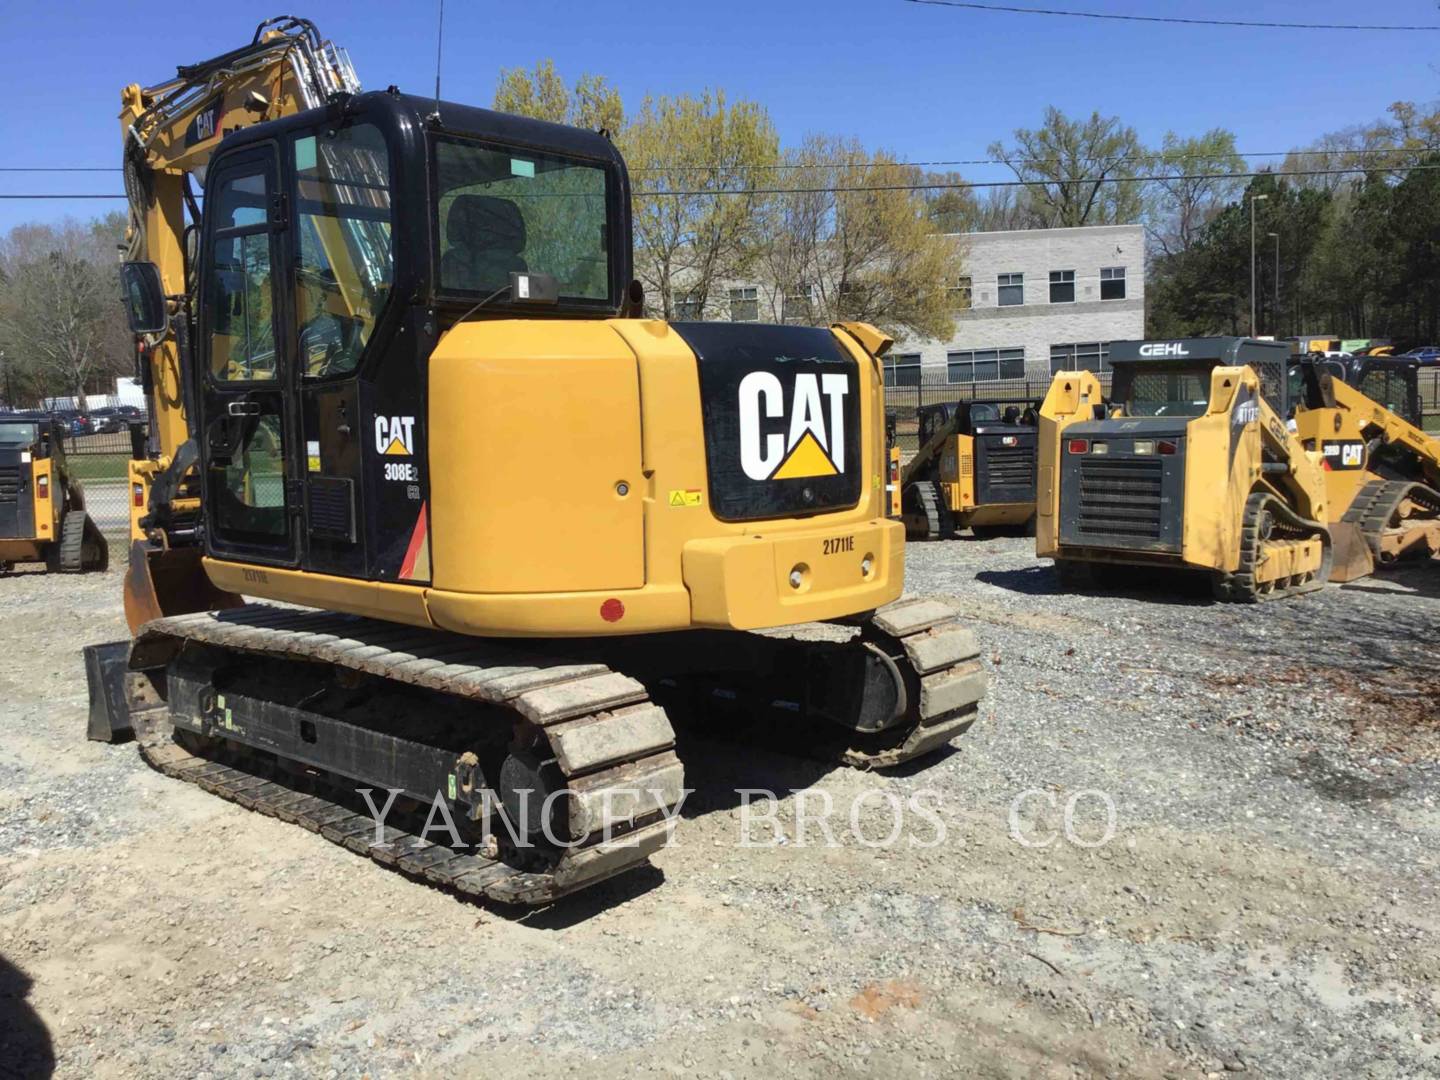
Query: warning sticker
(685, 497)
(312, 455)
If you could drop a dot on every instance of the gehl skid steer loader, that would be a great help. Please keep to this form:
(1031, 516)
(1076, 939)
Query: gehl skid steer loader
(975, 469)
(1189, 466)
(405, 383)
(1382, 473)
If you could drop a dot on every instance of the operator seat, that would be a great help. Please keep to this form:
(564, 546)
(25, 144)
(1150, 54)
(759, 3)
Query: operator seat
(486, 235)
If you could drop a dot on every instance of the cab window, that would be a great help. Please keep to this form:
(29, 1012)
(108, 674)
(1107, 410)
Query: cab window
(344, 268)
(239, 307)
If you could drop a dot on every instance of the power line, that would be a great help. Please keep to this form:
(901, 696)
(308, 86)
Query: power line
(934, 186)
(1176, 20)
(797, 166)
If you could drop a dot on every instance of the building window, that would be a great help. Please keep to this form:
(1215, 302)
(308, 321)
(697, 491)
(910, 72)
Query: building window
(1112, 283)
(745, 304)
(796, 306)
(1092, 356)
(1012, 289)
(984, 365)
(688, 306)
(1062, 286)
(902, 369)
(962, 293)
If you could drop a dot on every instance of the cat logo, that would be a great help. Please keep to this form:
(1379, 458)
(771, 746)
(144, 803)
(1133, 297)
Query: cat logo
(395, 435)
(811, 442)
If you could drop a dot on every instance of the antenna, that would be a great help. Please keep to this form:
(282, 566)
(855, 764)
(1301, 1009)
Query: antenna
(439, 47)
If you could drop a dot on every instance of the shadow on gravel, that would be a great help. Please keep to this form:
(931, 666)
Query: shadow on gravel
(25, 1047)
(1166, 588)
(1411, 579)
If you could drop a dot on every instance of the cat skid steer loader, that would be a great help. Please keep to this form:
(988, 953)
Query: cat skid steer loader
(404, 389)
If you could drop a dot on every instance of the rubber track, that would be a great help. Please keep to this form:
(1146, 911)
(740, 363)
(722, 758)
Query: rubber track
(1240, 586)
(939, 524)
(940, 659)
(572, 703)
(1377, 504)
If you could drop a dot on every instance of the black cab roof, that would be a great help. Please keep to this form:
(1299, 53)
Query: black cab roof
(1227, 351)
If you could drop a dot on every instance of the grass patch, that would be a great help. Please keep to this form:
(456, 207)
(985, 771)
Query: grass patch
(98, 466)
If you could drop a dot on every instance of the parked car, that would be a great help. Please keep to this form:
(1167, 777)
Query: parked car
(1426, 354)
(72, 423)
(112, 419)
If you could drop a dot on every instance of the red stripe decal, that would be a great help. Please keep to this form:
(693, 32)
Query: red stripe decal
(417, 544)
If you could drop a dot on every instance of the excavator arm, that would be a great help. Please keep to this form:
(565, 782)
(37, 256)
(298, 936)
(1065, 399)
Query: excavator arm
(170, 132)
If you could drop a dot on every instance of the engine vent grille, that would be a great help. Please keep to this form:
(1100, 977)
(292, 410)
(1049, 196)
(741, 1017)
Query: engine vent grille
(9, 483)
(332, 508)
(1121, 497)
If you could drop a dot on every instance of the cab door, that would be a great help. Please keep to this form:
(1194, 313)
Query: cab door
(245, 375)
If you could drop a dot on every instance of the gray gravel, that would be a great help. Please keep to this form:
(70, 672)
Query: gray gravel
(1265, 905)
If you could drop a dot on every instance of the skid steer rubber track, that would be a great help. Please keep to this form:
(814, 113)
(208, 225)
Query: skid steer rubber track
(592, 728)
(927, 503)
(1380, 506)
(1284, 526)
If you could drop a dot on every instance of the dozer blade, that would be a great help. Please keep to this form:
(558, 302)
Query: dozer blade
(1353, 558)
(161, 582)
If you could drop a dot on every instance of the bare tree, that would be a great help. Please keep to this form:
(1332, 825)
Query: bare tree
(1072, 167)
(61, 324)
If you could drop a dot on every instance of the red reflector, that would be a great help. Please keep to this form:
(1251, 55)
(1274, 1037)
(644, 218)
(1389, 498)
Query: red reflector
(1165, 447)
(137, 494)
(612, 610)
(1079, 446)
(42, 488)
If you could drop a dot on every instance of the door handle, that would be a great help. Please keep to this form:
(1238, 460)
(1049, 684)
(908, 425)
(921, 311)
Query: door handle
(243, 408)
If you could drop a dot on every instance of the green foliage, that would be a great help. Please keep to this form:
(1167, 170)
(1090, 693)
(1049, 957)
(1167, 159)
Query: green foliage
(1070, 163)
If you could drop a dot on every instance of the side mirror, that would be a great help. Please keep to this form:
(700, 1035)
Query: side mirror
(144, 298)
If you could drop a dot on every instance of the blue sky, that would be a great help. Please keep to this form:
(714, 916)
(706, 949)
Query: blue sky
(924, 82)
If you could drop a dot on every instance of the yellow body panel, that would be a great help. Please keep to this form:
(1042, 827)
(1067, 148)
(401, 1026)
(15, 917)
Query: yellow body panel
(531, 535)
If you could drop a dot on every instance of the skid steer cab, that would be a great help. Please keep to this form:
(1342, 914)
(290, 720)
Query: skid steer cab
(1188, 466)
(975, 469)
(42, 508)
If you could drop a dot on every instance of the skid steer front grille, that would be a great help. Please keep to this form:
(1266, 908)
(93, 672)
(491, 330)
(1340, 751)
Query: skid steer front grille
(9, 483)
(1012, 466)
(1121, 499)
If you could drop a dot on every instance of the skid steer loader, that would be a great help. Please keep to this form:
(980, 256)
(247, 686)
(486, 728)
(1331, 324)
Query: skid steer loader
(1189, 466)
(42, 506)
(975, 469)
(1382, 472)
(404, 388)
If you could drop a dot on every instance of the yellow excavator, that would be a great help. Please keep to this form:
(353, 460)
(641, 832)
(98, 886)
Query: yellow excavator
(1189, 466)
(401, 389)
(1382, 472)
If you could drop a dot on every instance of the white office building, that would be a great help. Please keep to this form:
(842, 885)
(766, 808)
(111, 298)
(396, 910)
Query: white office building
(1032, 302)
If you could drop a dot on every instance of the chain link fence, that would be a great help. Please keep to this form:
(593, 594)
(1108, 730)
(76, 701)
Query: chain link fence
(101, 462)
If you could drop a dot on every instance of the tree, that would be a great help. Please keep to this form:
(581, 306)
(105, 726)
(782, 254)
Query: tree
(61, 323)
(684, 151)
(1071, 166)
(1182, 202)
(541, 93)
(845, 241)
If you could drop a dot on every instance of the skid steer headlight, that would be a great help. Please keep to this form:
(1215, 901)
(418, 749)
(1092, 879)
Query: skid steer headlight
(1144, 446)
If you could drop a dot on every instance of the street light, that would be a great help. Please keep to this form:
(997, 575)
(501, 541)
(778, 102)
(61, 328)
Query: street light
(1275, 329)
(1253, 200)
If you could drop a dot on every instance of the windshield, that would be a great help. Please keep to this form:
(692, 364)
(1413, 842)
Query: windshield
(504, 211)
(15, 433)
(1162, 391)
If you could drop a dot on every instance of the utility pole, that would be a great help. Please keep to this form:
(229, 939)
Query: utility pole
(1275, 323)
(1253, 200)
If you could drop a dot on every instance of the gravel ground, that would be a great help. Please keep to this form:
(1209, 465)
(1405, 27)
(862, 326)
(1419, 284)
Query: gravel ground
(1263, 904)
